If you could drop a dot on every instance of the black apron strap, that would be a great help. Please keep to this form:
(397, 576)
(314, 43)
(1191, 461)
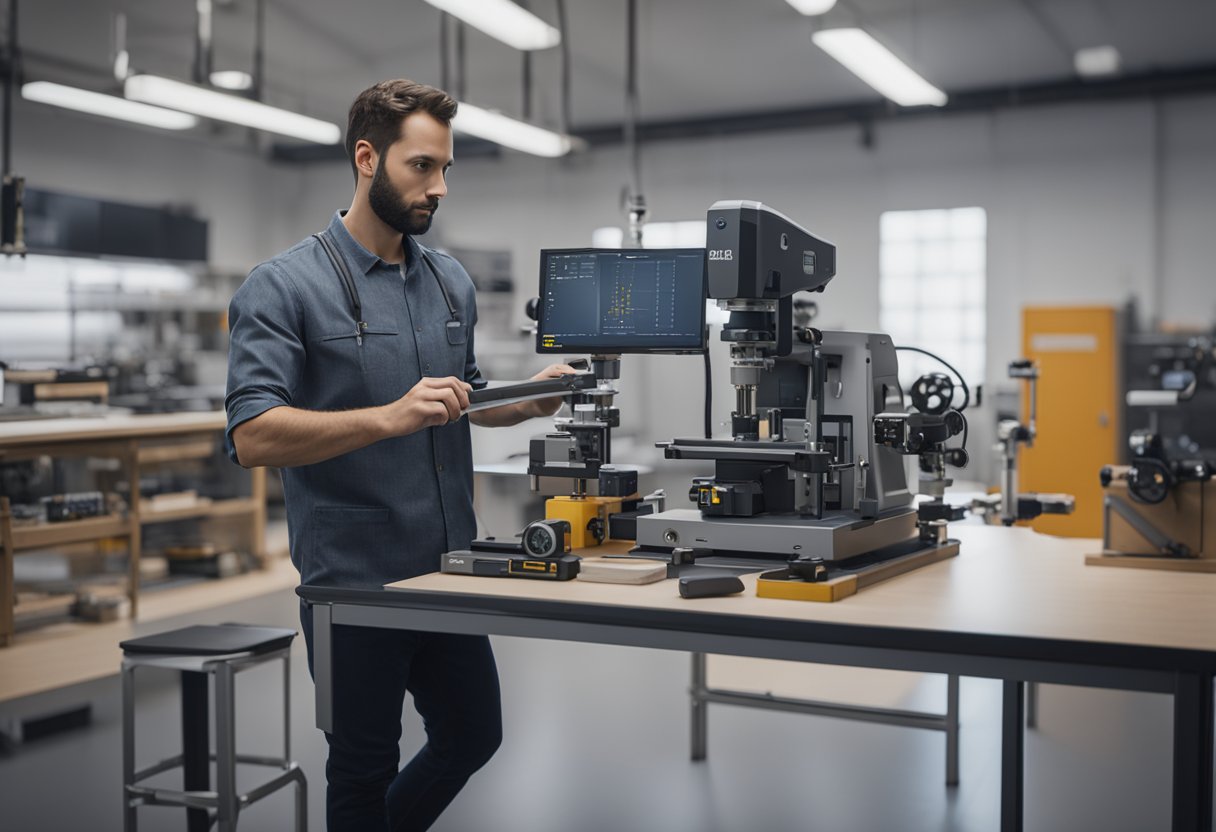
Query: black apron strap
(348, 280)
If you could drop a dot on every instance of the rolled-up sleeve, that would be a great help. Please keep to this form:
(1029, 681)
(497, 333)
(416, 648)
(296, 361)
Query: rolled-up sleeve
(266, 351)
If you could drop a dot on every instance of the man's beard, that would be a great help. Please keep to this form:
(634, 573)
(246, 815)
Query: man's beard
(395, 212)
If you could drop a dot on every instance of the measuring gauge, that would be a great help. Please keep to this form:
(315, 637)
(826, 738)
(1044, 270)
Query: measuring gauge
(547, 538)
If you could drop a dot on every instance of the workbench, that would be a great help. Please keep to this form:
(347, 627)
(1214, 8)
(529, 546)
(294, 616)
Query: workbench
(1014, 606)
(138, 442)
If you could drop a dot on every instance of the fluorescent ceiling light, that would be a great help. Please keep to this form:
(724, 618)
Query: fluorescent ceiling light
(231, 79)
(811, 8)
(503, 20)
(873, 63)
(1096, 61)
(166, 92)
(509, 132)
(110, 106)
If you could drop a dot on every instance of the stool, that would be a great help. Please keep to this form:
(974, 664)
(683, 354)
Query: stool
(198, 652)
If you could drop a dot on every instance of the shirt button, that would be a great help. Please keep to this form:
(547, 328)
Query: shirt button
(417, 329)
(428, 366)
(438, 467)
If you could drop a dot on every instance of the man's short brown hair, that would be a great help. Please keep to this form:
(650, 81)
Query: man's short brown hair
(377, 113)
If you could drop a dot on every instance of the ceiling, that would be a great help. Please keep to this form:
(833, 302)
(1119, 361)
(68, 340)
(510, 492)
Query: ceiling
(697, 58)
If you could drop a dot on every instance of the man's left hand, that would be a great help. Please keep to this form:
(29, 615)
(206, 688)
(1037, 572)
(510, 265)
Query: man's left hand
(539, 408)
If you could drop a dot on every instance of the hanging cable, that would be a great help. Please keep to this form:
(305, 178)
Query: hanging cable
(460, 62)
(258, 88)
(563, 30)
(445, 35)
(636, 202)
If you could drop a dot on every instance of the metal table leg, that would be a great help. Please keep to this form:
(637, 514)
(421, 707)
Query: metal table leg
(951, 730)
(323, 665)
(1193, 726)
(1013, 709)
(700, 707)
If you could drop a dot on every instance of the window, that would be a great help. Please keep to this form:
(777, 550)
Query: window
(931, 292)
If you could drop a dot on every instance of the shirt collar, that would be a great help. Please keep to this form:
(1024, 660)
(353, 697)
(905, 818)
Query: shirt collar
(360, 257)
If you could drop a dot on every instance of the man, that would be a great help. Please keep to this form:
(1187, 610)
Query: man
(356, 390)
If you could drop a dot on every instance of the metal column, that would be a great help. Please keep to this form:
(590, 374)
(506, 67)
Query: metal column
(1013, 754)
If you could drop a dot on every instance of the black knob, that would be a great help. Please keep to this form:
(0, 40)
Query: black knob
(532, 308)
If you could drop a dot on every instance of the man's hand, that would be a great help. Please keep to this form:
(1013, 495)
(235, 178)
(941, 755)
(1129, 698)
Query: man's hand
(429, 403)
(539, 408)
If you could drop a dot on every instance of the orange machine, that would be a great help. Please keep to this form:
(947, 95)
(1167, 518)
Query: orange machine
(1077, 350)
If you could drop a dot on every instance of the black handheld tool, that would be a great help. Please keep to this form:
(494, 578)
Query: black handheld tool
(709, 585)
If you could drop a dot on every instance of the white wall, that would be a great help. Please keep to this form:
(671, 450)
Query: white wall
(1070, 193)
(250, 204)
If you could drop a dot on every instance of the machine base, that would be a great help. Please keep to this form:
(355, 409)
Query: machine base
(877, 568)
(1152, 562)
(835, 537)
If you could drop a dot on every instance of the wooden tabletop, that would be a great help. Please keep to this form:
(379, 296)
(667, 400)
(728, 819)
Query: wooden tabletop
(42, 431)
(1007, 582)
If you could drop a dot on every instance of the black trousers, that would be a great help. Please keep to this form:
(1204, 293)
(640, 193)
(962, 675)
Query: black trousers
(454, 682)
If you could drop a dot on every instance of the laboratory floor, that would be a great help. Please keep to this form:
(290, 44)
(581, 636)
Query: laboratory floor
(597, 741)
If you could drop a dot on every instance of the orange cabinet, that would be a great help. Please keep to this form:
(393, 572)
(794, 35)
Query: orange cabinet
(1079, 407)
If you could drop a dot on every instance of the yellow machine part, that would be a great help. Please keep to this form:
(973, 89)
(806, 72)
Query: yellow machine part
(1079, 430)
(579, 512)
(827, 591)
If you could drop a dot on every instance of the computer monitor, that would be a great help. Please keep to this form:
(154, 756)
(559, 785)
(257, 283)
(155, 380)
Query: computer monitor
(607, 301)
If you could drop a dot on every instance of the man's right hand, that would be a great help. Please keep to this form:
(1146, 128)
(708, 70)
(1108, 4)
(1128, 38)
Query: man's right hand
(429, 403)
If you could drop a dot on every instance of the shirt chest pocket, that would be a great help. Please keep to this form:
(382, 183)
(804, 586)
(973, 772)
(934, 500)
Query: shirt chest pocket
(375, 355)
(453, 348)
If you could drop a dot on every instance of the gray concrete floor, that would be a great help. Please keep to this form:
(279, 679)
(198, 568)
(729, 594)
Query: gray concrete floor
(597, 741)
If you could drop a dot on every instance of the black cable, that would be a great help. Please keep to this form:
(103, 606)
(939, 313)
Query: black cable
(709, 397)
(564, 109)
(962, 381)
(445, 75)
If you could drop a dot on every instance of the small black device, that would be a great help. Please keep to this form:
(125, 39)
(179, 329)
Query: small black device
(546, 538)
(612, 301)
(503, 565)
(709, 585)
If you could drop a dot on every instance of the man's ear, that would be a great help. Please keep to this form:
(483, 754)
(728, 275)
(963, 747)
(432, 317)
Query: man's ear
(365, 158)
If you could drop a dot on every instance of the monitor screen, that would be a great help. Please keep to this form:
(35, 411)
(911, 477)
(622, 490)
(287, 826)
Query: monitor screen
(596, 300)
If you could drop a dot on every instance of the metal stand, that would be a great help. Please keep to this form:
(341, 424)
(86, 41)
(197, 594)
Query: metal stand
(1013, 754)
(701, 695)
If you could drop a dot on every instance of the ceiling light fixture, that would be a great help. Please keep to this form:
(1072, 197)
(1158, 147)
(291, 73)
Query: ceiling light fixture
(1096, 61)
(873, 63)
(178, 95)
(503, 20)
(810, 8)
(232, 79)
(510, 132)
(110, 106)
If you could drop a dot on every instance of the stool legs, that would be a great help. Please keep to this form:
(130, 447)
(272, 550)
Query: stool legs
(196, 745)
(225, 748)
(128, 747)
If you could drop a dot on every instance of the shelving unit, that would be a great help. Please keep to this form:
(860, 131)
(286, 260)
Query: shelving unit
(136, 441)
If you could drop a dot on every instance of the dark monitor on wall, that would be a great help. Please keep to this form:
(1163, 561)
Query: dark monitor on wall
(608, 301)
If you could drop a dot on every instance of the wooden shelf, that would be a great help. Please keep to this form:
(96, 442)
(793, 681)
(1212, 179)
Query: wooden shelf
(158, 454)
(205, 508)
(70, 531)
(136, 441)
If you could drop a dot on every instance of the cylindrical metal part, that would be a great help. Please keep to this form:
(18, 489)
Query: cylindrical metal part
(775, 424)
(1009, 482)
(744, 399)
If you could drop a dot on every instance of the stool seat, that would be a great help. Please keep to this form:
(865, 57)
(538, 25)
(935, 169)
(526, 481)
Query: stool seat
(210, 640)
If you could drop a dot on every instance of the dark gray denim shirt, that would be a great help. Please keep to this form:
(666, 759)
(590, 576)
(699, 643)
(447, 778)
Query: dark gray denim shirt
(385, 512)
